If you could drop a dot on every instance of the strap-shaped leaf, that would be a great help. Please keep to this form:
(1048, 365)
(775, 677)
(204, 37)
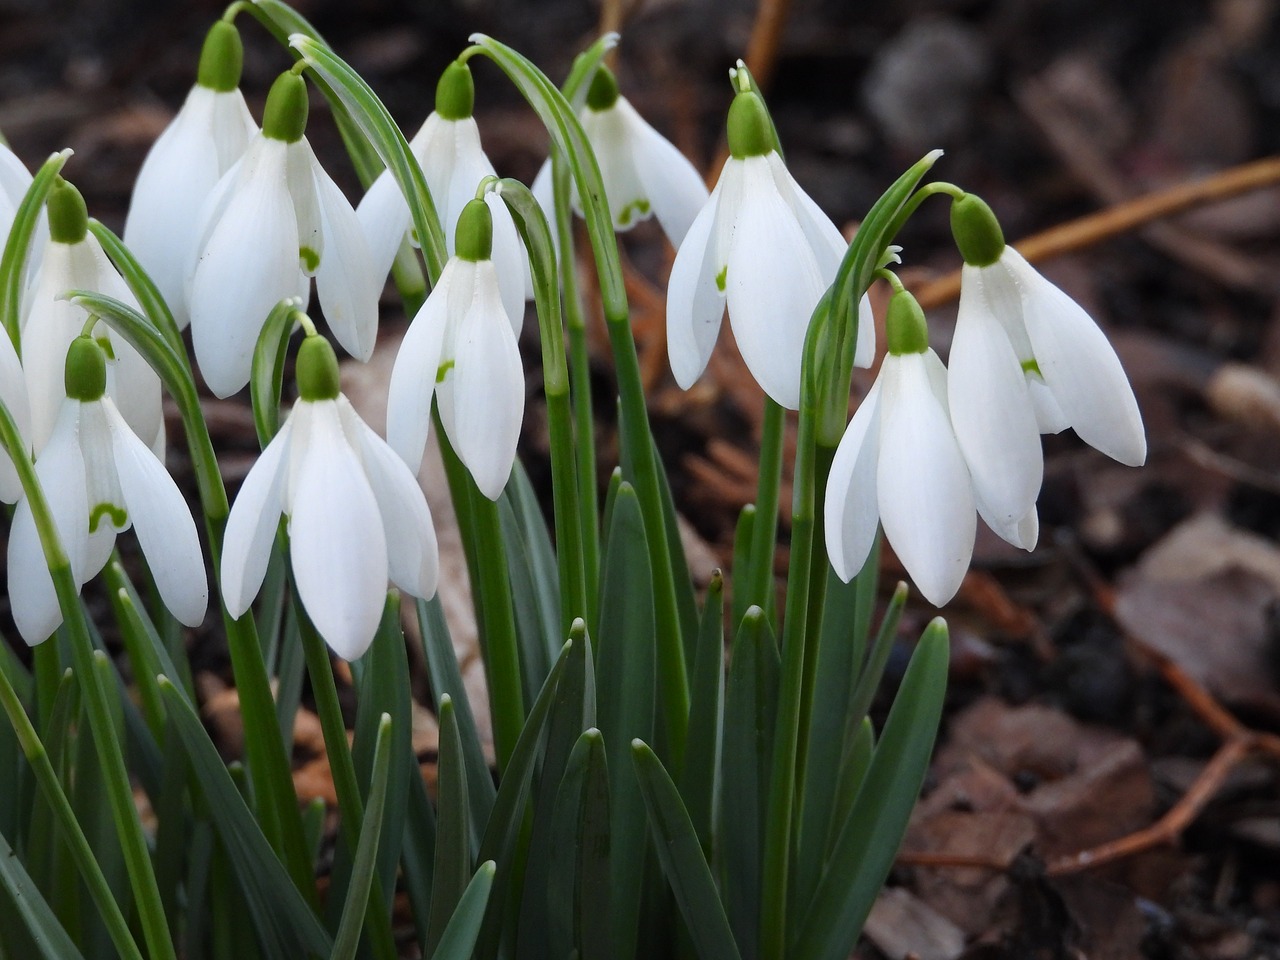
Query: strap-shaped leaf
(13, 265)
(460, 935)
(700, 778)
(682, 860)
(453, 838)
(577, 898)
(46, 935)
(267, 378)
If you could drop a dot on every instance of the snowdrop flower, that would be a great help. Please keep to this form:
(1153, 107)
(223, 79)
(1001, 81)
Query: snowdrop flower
(273, 220)
(1023, 345)
(356, 514)
(208, 135)
(99, 479)
(762, 247)
(74, 260)
(899, 464)
(13, 394)
(644, 174)
(15, 180)
(447, 147)
(461, 348)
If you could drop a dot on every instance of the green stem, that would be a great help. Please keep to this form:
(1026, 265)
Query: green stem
(758, 587)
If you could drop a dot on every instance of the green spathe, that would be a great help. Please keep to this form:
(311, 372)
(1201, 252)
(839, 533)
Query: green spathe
(976, 231)
(285, 116)
(317, 370)
(905, 326)
(456, 92)
(749, 129)
(221, 59)
(86, 370)
(474, 238)
(68, 217)
(603, 92)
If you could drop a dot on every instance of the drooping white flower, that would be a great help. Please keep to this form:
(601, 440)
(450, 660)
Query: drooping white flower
(765, 250)
(448, 149)
(99, 479)
(899, 464)
(206, 137)
(644, 174)
(13, 393)
(461, 349)
(273, 220)
(15, 180)
(357, 516)
(74, 260)
(1026, 345)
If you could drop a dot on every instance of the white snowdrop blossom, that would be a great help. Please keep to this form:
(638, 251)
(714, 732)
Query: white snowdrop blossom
(644, 174)
(357, 516)
(74, 260)
(13, 394)
(99, 479)
(203, 141)
(899, 464)
(765, 250)
(461, 348)
(448, 149)
(15, 180)
(1028, 359)
(274, 220)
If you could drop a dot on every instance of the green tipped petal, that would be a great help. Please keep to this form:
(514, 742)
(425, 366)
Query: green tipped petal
(317, 370)
(976, 230)
(603, 92)
(474, 239)
(905, 326)
(221, 59)
(68, 218)
(750, 130)
(86, 370)
(456, 92)
(285, 116)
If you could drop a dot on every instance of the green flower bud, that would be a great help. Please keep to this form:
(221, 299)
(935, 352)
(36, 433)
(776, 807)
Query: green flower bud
(603, 92)
(285, 116)
(317, 370)
(905, 326)
(976, 230)
(85, 375)
(750, 130)
(456, 92)
(474, 237)
(68, 218)
(221, 59)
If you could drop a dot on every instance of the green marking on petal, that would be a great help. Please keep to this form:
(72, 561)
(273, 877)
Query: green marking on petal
(1033, 368)
(443, 371)
(310, 259)
(635, 210)
(721, 276)
(118, 516)
(105, 344)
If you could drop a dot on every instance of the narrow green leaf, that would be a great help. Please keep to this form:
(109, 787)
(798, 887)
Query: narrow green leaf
(47, 935)
(13, 265)
(700, 778)
(267, 376)
(853, 770)
(869, 841)
(453, 846)
(537, 622)
(877, 658)
(680, 853)
(460, 935)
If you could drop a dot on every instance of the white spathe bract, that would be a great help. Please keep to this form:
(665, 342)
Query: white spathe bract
(50, 324)
(274, 219)
(644, 174)
(461, 348)
(99, 479)
(1080, 382)
(202, 142)
(454, 163)
(763, 248)
(899, 464)
(356, 518)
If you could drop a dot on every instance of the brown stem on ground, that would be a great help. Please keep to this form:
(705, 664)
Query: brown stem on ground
(1122, 218)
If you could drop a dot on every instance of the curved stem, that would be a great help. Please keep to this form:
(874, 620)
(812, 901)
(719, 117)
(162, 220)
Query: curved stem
(764, 529)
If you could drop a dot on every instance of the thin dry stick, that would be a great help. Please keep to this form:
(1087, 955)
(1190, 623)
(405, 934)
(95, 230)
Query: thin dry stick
(1123, 218)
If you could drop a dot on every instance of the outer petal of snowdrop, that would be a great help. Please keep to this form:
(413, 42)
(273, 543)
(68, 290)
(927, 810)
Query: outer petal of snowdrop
(13, 392)
(251, 527)
(695, 296)
(345, 279)
(413, 378)
(852, 507)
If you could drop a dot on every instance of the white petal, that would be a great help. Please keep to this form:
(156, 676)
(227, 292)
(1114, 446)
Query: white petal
(1080, 368)
(611, 140)
(108, 514)
(384, 218)
(510, 260)
(251, 527)
(864, 351)
(60, 470)
(991, 410)
(413, 377)
(1049, 416)
(412, 552)
(674, 187)
(926, 502)
(1022, 532)
(695, 298)
(346, 281)
(300, 166)
(248, 266)
(852, 509)
(773, 284)
(339, 551)
(162, 522)
(825, 239)
(487, 391)
(13, 392)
